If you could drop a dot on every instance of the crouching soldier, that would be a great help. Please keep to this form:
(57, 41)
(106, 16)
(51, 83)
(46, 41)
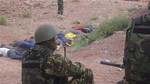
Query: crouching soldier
(40, 65)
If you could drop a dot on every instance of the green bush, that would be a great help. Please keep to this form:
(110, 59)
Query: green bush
(27, 14)
(3, 20)
(79, 42)
(105, 29)
(93, 18)
(131, 9)
(108, 27)
(75, 0)
(76, 22)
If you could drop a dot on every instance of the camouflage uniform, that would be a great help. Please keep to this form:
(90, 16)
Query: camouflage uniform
(137, 54)
(60, 7)
(148, 5)
(41, 66)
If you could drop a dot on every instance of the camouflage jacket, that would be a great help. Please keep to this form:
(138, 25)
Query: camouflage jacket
(137, 54)
(41, 66)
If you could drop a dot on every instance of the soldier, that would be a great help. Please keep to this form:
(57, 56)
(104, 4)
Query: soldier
(60, 7)
(137, 55)
(148, 5)
(40, 65)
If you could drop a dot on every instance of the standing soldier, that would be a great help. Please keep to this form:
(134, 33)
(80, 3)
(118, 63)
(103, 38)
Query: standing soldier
(60, 7)
(40, 65)
(148, 5)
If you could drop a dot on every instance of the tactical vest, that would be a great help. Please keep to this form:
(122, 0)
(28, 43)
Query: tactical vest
(137, 52)
(32, 65)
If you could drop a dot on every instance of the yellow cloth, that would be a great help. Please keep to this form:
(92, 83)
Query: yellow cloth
(70, 35)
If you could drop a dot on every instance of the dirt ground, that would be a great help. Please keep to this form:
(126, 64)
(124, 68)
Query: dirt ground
(19, 28)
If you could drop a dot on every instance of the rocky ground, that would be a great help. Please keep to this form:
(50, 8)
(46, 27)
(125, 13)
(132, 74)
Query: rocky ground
(19, 28)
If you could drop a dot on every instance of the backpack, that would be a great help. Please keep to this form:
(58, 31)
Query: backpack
(32, 71)
(137, 52)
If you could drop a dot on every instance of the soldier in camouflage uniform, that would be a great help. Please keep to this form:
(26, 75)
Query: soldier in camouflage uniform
(148, 5)
(137, 51)
(40, 65)
(60, 7)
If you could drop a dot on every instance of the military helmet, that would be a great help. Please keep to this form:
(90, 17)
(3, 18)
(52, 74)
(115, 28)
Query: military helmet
(45, 32)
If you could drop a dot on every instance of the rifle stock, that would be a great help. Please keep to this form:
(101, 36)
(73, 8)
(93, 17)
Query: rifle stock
(110, 63)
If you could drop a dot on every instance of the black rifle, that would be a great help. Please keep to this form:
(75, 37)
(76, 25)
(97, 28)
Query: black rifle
(65, 51)
(111, 63)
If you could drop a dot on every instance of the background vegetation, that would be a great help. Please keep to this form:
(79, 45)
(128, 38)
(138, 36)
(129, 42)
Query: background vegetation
(3, 20)
(105, 29)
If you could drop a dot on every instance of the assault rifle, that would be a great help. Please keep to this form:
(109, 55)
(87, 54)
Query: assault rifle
(112, 63)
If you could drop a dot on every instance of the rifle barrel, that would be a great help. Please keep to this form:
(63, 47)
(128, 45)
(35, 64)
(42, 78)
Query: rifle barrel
(108, 62)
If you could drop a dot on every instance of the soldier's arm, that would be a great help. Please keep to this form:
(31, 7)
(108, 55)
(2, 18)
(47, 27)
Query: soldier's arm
(60, 66)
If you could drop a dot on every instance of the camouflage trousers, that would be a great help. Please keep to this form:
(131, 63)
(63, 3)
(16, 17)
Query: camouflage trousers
(60, 7)
(85, 78)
